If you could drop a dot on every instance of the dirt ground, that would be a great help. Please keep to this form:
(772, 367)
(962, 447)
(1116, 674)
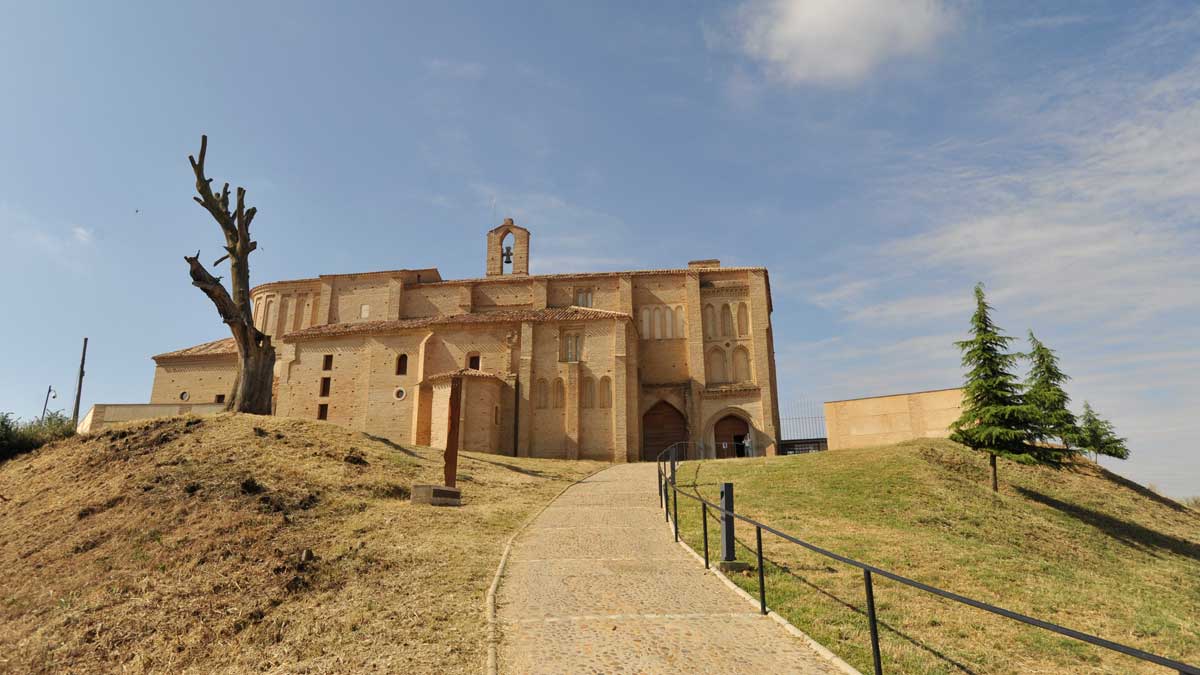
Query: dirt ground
(241, 543)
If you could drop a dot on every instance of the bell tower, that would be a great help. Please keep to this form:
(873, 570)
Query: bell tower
(503, 249)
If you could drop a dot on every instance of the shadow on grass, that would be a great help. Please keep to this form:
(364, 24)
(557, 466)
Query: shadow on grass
(784, 569)
(395, 446)
(511, 467)
(1129, 533)
(1141, 490)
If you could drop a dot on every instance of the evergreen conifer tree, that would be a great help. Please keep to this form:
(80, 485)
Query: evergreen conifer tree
(995, 417)
(1043, 391)
(1097, 436)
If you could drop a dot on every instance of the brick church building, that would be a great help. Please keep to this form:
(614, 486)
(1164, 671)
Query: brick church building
(612, 366)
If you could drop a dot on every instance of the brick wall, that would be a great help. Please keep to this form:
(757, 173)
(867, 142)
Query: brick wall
(202, 378)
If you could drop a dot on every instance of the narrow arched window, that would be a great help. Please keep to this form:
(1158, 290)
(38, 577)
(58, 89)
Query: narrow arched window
(669, 321)
(658, 325)
(560, 393)
(743, 319)
(726, 321)
(680, 326)
(541, 394)
(605, 392)
(402, 364)
(710, 328)
(716, 366)
(741, 365)
(587, 398)
(647, 331)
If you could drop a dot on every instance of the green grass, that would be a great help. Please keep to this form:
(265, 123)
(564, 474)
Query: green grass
(1079, 546)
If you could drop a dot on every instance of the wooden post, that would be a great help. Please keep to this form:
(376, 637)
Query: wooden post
(79, 386)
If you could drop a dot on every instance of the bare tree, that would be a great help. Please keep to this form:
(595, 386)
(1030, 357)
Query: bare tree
(256, 355)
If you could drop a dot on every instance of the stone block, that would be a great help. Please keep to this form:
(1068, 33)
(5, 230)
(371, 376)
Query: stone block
(437, 495)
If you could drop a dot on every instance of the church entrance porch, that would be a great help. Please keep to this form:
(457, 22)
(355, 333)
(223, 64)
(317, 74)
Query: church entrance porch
(662, 426)
(731, 434)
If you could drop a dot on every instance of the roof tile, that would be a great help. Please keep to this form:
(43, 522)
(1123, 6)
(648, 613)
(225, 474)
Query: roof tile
(221, 347)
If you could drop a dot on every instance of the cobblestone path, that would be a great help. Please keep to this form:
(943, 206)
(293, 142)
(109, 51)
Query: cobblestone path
(597, 585)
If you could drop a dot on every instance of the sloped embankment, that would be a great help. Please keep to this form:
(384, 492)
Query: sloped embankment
(1079, 546)
(240, 542)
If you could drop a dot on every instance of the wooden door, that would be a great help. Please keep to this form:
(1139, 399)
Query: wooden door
(662, 426)
(730, 433)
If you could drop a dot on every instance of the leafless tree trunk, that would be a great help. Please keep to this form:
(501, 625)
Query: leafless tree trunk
(256, 356)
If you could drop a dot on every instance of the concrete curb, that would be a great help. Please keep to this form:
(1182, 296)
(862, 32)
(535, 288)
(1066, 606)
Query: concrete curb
(493, 638)
(817, 647)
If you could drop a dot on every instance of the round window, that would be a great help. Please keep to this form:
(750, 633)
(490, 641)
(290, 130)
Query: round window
(400, 393)
(183, 396)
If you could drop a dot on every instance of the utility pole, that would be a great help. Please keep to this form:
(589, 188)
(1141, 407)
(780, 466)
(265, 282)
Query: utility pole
(79, 386)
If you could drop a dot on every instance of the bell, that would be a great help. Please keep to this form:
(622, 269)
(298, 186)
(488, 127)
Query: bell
(508, 255)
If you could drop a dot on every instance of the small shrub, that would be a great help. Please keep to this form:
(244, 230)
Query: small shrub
(17, 437)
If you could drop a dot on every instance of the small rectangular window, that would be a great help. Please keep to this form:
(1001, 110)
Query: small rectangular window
(572, 349)
(583, 297)
(325, 383)
(323, 411)
(327, 364)
(220, 398)
(364, 312)
(473, 362)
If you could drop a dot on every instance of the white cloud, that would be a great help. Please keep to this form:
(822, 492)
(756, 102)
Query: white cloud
(82, 235)
(837, 42)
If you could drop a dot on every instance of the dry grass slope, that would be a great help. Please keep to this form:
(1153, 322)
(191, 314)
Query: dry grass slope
(179, 545)
(1081, 547)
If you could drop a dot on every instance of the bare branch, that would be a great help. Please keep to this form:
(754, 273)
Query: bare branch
(252, 389)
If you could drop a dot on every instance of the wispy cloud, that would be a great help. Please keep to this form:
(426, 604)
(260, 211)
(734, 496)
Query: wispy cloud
(460, 70)
(1054, 21)
(570, 236)
(1084, 223)
(22, 231)
(835, 42)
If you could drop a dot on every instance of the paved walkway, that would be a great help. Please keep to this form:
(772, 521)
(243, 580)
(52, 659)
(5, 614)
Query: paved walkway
(597, 585)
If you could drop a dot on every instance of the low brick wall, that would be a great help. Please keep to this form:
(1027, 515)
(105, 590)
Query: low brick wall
(107, 414)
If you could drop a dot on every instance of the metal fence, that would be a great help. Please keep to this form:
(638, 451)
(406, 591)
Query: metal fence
(802, 418)
(668, 492)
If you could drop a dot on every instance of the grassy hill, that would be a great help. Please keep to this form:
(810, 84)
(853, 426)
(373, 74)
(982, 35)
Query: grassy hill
(181, 545)
(1080, 547)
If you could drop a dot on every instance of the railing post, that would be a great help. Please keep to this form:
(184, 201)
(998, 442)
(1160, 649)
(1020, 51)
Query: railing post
(762, 586)
(872, 621)
(674, 450)
(666, 499)
(658, 479)
(675, 490)
(704, 520)
(728, 555)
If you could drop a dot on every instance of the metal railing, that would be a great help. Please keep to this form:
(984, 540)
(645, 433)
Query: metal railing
(666, 482)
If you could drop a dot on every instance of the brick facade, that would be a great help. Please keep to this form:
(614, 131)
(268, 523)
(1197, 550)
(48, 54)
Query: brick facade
(562, 365)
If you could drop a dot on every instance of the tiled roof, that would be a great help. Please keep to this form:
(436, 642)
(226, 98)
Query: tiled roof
(214, 348)
(522, 277)
(463, 372)
(498, 316)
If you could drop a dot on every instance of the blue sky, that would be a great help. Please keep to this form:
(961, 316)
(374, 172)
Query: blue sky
(880, 157)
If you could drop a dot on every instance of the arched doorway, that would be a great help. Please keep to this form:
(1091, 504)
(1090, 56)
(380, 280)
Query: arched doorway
(662, 426)
(730, 434)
